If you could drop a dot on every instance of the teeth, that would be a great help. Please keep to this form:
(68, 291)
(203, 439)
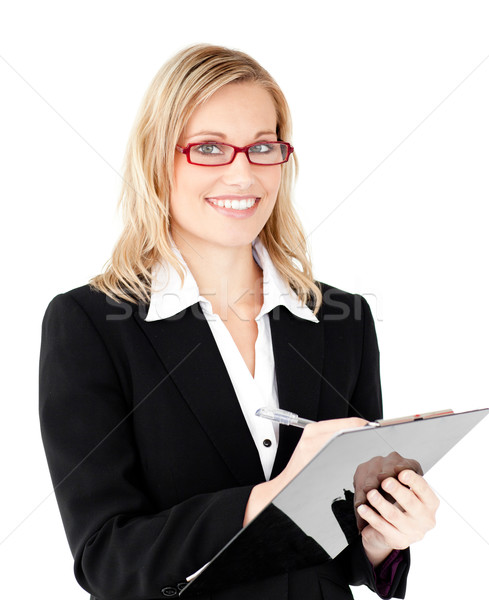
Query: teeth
(234, 204)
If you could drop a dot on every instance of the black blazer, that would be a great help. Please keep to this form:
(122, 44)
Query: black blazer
(149, 452)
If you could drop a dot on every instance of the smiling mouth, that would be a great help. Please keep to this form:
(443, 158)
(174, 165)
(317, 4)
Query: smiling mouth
(235, 204)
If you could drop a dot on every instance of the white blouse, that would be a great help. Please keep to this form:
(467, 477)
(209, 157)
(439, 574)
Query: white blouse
(252, 392)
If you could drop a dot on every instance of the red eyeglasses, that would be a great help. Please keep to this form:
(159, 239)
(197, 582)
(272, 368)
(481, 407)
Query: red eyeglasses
(213, 154)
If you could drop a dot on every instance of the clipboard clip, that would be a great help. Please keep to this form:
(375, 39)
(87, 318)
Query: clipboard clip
(420, 417)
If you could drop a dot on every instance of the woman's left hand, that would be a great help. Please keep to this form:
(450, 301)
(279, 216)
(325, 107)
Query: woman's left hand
(397, 526)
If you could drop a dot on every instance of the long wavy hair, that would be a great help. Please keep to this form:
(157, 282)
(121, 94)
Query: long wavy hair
(184, 82)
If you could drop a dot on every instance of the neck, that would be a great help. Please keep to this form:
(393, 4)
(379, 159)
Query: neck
(228, 277)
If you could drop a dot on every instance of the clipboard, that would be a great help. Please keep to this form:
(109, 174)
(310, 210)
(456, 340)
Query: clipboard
(312, 520)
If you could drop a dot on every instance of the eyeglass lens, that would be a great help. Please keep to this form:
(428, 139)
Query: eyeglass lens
(216, 154)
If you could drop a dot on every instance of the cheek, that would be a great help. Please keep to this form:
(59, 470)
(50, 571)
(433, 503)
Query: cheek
(190, 186)
(272, 185)
(272, 181)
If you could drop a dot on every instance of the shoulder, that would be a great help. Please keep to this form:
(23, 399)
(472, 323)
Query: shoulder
(91, 301)
(85, 306)
(340, 305)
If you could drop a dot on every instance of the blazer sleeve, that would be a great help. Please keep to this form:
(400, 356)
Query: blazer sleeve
(123, 548)
(366, 402)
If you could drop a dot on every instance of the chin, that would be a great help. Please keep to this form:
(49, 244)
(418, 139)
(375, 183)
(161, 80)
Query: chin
(235, 241)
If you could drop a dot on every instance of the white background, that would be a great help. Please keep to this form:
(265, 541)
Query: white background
(392, 131)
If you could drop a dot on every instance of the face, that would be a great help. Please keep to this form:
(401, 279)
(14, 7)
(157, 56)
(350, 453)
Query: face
(238, 114)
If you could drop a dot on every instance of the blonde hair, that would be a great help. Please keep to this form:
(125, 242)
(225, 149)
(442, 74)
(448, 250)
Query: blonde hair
(183, 83)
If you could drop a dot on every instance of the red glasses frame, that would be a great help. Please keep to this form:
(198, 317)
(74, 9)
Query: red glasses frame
(236, 149)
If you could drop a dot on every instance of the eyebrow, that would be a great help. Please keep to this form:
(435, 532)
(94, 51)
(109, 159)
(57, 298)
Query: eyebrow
(223, 135)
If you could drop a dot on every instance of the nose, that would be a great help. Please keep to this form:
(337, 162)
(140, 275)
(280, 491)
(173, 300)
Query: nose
(239, 172)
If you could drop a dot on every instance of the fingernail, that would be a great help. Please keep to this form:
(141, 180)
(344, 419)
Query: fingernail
(405, 477)
(373, 494)
(388, 484)
(362, 509)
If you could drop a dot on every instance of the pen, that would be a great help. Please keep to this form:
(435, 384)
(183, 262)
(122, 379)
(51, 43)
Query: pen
(284, 417)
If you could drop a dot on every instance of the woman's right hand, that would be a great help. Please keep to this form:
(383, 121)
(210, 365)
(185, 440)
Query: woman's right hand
(314, 437)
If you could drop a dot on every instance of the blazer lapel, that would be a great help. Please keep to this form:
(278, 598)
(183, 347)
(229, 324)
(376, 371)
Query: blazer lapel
(298, 349)
(188, 350)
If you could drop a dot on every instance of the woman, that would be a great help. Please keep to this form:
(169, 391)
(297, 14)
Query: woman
(150, 376)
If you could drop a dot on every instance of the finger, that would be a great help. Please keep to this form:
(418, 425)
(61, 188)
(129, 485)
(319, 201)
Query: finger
(339, 424)
(361, 492)
(388, 511)
(361, 523)
(386, 529)
(419, 516)
(403, 496)
(408, 464)
(420, 487)
(353, 422)
(360, 497)
(331, 426)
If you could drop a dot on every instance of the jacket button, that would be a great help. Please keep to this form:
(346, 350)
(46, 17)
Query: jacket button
(267, 443)
(182, 585)
(169, 591)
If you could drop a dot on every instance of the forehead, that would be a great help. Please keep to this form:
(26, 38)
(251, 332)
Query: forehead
(236, 110)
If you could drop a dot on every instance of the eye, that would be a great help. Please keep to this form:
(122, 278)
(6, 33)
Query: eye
(208, 149)
(262, 148)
